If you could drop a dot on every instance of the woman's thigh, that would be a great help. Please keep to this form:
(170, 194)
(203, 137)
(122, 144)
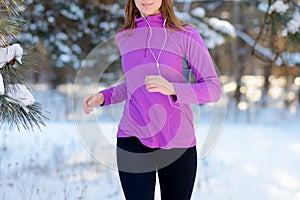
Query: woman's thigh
(178, 178)
(136, 169)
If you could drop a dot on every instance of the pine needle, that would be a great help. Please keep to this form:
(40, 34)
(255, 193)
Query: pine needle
(15, 115)
(12, 7)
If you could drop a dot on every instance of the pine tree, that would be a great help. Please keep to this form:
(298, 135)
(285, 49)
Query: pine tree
(17, 105)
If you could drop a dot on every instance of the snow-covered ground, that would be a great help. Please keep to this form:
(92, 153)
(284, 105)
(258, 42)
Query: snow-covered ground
(251, 161)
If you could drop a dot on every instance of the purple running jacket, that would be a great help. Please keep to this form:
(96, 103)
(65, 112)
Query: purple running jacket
(161, 121)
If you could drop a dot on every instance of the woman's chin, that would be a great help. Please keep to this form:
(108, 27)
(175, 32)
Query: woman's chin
(146, 14)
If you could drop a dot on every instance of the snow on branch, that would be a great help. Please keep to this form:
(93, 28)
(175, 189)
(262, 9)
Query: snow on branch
(17, 104)
(288, 12)
(222, 26)
(213, 30)
(293, 26)
(279, 7)
(289, 59)
(8, 54)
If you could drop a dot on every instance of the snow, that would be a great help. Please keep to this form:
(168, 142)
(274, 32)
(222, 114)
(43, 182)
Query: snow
(38, 9)
(9, 53)
(279, 7)
(211, 37)
(75, 13)
(198, 12)
(63, 47)
(251, 161)
(50, 19)
(61, 36)
(293, 26)
(21, 94)
(65, 58)
(213, 34)
(222, 26)
(263, 6)
(184, 16)
(290, 59)
(28, 2)
(76, 48)
(2, 89)
(108, 25)
(34, 40)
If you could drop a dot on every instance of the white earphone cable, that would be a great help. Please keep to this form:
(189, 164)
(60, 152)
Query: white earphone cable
(159, 54)
(164, 44)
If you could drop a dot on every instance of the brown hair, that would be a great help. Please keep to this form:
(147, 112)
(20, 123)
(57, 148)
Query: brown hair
(167, 11)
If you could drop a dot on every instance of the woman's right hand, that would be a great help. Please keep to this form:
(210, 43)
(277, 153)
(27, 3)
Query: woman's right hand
(92, 101)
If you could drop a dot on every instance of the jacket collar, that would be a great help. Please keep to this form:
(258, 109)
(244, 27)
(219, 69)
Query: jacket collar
(154, 21)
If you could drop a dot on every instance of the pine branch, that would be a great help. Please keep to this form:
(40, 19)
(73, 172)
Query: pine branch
(19, 73)
(15, 115)
(22, 111)
(265, 24)
(9, 27)
(12, 7)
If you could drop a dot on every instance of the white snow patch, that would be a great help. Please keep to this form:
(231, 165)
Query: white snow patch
(211, 37)
(75, 13)
(198, 12)
(293, 26)
(279, 7)
(21, 94)
(61, 36)
(2, 89)
(9, 53)
(291, 59)
(54, 164)
(222, 26)
(263, 7)
(63, 47)
(183, 16)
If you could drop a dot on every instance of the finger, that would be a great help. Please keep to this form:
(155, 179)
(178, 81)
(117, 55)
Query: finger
(160, 89)
(156, 84)
(85, 106)
(158, 79)
(152, 77)
(152, 82)
(86, 99)
(88, 110)
(154, 89)
(91, 102)
(151, 85)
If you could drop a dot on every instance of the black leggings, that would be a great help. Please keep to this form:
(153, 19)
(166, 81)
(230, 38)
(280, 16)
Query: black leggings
(176, 170)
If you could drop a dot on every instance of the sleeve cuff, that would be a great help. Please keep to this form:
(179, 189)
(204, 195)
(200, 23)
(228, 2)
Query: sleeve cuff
(184, 93)
(106, 100)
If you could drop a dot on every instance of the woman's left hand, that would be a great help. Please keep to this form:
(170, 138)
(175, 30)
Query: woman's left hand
(157, 83)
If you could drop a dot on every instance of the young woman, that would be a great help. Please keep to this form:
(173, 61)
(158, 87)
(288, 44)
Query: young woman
(156, 132)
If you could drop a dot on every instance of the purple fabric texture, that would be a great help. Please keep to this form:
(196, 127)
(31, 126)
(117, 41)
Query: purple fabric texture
(156, 119)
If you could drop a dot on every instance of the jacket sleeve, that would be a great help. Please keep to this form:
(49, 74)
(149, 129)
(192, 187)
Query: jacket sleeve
(114, 94)
(207, 87)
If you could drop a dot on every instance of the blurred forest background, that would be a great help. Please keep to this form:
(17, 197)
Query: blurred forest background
(254, 43)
